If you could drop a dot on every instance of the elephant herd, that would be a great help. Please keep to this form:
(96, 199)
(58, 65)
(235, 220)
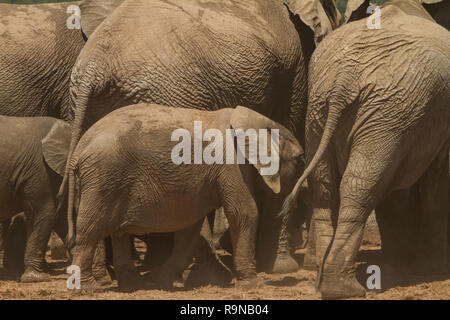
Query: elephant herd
(360, 114)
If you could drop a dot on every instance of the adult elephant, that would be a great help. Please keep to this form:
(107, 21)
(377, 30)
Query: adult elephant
(208, 55)
(36, 59)
(378, 130)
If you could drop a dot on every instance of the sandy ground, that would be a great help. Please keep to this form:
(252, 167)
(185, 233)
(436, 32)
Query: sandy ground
(294, 286)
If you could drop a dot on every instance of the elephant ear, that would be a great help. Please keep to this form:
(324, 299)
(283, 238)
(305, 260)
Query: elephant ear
(320, 15)
(285, 147)
(55, 147)
(346, 8)
(245, 119)
(93, 12)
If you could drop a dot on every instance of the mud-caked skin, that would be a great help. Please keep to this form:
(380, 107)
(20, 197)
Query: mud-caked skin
(37, 53)
(378, 129)
(202, 54)
(33, 154)
(129, 184)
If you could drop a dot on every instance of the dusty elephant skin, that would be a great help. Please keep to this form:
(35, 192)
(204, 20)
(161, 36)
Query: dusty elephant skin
(37, 53)
(123, 181)
(203, 55)
(202, 65)
(378, 133)
(33, 154)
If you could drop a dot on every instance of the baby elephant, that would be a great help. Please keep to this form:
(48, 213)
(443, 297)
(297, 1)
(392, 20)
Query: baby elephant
(150, 168)
(33, 154)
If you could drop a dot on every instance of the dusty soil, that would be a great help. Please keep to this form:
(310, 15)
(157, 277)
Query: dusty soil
(294, 286)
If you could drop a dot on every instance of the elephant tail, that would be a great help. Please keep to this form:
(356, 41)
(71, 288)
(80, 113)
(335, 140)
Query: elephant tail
(79, 96)
(70, 241)
(334, 115)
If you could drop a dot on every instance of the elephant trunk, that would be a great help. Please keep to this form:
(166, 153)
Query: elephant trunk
(335, 111)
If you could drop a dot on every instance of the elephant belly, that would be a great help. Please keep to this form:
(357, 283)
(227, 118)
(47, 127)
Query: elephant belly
(168, 216)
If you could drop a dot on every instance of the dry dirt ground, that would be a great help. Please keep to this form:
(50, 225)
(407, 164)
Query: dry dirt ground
(294, 286)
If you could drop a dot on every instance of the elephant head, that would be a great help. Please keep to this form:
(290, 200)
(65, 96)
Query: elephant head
(93, 12)
(287, 152)
(272, 188)
(55, 147)
(323, 16)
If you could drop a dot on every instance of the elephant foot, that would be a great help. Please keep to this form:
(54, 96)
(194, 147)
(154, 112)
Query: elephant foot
(337, 287)
(248, 284)
(310, 263)
(31, 276)
(284, 263)
(129, 280)
(208, 274)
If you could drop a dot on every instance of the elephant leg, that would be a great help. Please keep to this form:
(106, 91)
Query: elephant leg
(242, 215)
(208, 268)
(90, 230)
(364, 182)
(324, 193)
(273, 252)
(41, 218)
(185, 243)
(83, 258)
(57, 248)
(127, 276)
(99, 266)
(432, 235)
(284, 262)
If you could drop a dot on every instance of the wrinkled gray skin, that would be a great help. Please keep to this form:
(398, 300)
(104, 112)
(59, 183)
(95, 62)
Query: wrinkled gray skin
(37, 53)
(399, 249)
(378, 130)
(202, 54)
(131, 186)
(33, 153)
